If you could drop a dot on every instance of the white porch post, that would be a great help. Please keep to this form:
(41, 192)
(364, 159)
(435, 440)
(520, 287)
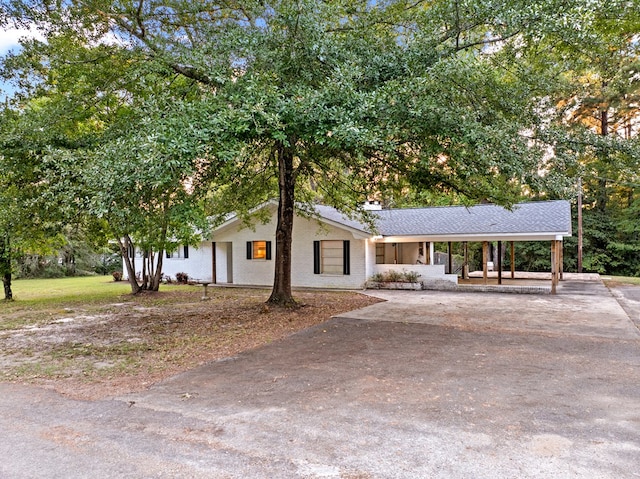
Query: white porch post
(369, 258)
(432, 253)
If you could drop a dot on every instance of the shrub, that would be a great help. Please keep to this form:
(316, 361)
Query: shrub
(117, 276)
(377, 278)
(411, 276)
(182, 278)
(393, 276)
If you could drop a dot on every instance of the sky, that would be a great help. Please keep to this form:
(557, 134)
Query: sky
(9, 41)
(9, 38)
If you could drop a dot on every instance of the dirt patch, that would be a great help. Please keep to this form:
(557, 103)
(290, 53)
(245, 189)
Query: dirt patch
(111, 349)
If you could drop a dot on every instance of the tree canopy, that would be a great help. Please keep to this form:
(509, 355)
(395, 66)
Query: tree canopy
(193, 108)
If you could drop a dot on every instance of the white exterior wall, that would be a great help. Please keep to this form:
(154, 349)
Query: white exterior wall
(370, 258)
(243, 270)
(305, 232)
(232, 265)
(199, 264)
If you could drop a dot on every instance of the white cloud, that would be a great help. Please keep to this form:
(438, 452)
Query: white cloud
(9, 38)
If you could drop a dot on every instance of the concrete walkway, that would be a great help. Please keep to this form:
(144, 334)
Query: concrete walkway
(583, 307)
(427, 385)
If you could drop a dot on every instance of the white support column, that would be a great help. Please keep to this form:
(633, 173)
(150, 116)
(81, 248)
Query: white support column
(554, 265)
(485, 260)
(560, 240)
(432, 253)
(369, 257)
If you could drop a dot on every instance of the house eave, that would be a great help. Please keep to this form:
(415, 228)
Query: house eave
(234, 219)
(358, 234)
(458, 238)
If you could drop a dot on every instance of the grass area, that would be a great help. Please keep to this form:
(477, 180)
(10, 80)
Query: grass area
(85, 288)
(621, 280)
(43, 293)
(38, 301)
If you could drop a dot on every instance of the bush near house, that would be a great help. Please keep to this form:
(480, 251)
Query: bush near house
(393, 276)
(182, 278)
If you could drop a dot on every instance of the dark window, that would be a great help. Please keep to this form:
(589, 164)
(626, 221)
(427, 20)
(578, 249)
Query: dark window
(179, 253)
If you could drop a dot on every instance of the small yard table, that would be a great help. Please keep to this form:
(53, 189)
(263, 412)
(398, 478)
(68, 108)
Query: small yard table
(204, 290)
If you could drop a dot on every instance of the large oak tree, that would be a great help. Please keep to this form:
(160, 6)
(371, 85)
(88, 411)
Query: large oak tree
(334, 101)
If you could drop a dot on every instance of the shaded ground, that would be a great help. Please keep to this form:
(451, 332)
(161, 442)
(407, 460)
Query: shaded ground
(101, 350)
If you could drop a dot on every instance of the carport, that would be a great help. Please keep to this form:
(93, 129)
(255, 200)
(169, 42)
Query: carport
(407, 236)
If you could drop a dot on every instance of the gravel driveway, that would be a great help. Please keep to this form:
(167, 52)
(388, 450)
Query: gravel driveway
(426, 385)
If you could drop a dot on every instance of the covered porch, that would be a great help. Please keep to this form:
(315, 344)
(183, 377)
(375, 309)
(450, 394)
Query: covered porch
(421, 256)
(407, 239)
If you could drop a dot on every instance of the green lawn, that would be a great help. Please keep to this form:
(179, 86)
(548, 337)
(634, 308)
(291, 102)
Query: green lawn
(63, 292)
(622, 279)
(84, 288)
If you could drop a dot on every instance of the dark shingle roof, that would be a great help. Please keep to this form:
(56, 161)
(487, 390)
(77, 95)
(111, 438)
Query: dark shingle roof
(525, 218)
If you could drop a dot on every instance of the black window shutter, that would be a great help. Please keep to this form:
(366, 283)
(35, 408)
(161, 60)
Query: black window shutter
(268, 249)
(168, 254)
(249, 249)
(316, 257)
(346, 257)
(186, 251)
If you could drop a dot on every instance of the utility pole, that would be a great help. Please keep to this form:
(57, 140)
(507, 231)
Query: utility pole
(580, 225)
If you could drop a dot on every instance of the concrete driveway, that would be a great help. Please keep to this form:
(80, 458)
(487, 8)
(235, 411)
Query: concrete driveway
(426, 385)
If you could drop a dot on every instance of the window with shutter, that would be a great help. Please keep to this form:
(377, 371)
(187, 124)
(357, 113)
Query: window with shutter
(331, 257)
(178, 253)
(259, 250)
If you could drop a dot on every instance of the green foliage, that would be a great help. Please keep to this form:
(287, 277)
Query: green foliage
(393, 276)
(98, 152)
(191, 115)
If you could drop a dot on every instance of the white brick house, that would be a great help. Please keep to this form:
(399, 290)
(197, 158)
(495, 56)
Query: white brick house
(331, 251)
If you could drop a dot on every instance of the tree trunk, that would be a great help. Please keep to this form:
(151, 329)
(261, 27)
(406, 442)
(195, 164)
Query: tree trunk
(145, 276)
(601, 195)
(157, 276)
(5, 266)
(6, 282)
(129, 263)
(281, 293)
